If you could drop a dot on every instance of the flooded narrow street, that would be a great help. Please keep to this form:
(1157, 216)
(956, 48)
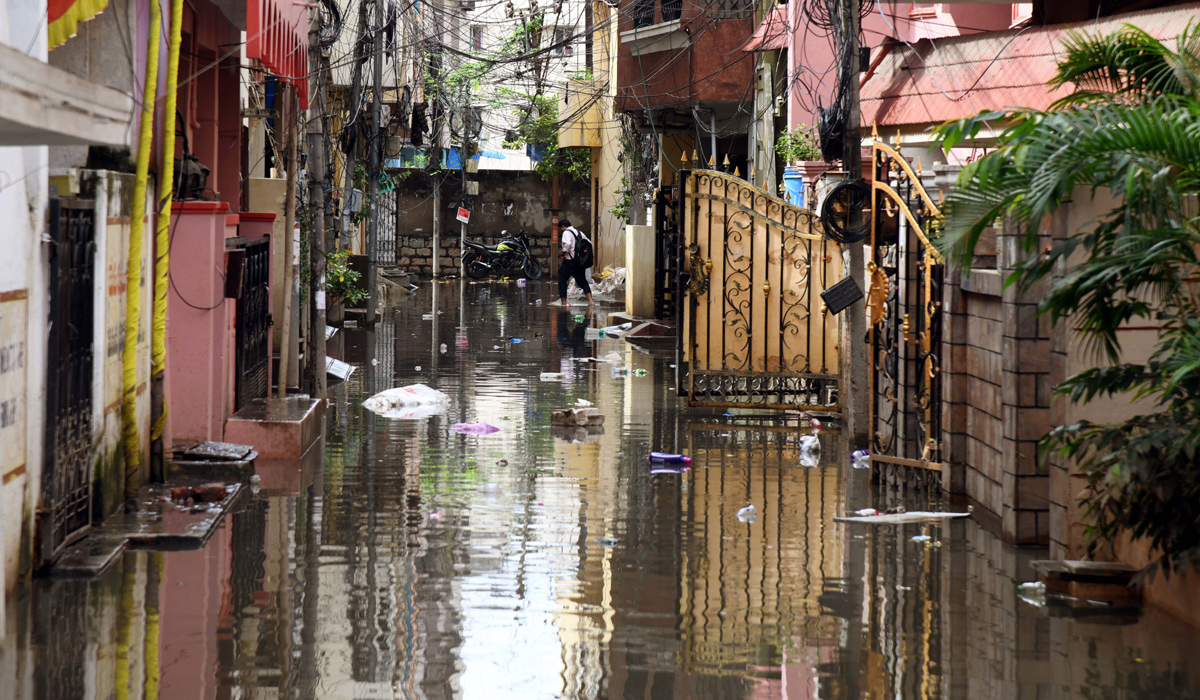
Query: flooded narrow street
(540, 562)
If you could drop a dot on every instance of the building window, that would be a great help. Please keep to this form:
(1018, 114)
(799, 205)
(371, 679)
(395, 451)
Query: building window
(731, 9)
(477, 38)
(563, 40)
(924, 10)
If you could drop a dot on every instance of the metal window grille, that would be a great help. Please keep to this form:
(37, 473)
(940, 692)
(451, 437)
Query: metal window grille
(563, 41)
(253, 324)
(387, 229)
(731, 9)
(67, 479)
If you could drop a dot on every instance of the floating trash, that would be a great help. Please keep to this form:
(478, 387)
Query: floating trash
(474, 428)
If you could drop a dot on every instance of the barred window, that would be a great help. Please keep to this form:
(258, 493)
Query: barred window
(731, 9)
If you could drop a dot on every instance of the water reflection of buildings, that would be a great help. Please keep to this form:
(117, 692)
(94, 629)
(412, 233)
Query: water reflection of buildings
(343, 587)
(692, 603)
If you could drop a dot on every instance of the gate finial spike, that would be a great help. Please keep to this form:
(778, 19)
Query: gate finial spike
(695, 156)
(874, 131)
(712, 160)
(726, 159)
(918, 166)
(897, 138)
(736, 172)
(683, 158)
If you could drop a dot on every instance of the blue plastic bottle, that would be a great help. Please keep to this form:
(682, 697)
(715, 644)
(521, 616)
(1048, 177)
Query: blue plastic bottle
(663, 457)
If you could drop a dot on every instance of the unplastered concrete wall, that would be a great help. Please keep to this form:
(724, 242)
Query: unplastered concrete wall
(506, 201)
(112, 194)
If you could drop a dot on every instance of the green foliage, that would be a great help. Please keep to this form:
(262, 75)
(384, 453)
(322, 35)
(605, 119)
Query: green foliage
(1133, 130)
(360, 184)
(621, 211)
(539, 128)
(798, 145)
(341, 282)
(525, 37)
(575, 163)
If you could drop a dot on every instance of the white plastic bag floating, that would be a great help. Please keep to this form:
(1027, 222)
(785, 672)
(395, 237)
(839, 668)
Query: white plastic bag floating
(810, 450)
(408, 402)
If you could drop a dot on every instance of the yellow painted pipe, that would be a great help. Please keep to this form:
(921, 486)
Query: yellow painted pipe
(154, 569)
(162, 238)
(133, 276)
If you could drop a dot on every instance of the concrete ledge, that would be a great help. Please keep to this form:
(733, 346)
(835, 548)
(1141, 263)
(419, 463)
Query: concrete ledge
(986, 282)
(282, 429)
(161, 524)
(89, 557)
(1088, 580)
(210, 470)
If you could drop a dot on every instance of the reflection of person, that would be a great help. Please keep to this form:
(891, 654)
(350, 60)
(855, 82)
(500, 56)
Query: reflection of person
(570, 267)
(571, 335)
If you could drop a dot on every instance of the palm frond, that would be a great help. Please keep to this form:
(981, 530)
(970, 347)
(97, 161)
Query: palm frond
(1127, 63)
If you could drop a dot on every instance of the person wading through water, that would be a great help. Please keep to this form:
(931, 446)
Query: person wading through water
(577, 257)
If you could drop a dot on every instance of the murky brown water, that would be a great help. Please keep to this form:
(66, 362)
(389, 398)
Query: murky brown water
(419, 563)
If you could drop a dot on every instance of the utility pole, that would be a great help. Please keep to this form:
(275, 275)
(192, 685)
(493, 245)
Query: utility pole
(316, 201)
(435, 152)
(356, 100)
(376, 168)
(462, 163)
(857, 398)
(288, 115)
(437, 213)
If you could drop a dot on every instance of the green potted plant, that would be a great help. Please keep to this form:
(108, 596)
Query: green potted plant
(801, 150)
(341, 286)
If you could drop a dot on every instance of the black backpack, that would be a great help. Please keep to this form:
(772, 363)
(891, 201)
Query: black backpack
(585, 257)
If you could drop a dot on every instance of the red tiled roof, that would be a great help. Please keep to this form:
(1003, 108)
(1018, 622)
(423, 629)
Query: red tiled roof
(935, 81)
(772, 34)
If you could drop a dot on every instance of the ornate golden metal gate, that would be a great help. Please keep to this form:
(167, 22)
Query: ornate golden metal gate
(905, 308)
(755, 331)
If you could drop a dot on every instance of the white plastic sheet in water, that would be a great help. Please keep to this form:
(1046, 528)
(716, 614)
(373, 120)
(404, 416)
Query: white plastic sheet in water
(408, 402)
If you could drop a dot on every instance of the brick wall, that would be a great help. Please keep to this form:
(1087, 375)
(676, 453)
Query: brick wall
(416, 252)
(997, 391)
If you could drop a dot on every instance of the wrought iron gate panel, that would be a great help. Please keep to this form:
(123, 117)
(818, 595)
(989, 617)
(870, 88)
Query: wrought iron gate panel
(666, 253)
(758, 334)
(905, 304)
(253, 325)
(67, 480)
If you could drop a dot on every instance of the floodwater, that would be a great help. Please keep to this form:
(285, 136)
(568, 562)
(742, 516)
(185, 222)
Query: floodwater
(533, 563)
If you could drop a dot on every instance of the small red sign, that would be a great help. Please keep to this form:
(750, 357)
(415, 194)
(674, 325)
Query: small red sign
(464, 215)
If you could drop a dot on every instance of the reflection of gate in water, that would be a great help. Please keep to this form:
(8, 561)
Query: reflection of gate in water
(906, 319)
(750, 594)
(757, 334)
(67, 478)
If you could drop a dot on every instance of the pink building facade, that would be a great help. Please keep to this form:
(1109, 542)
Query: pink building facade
(810, 52)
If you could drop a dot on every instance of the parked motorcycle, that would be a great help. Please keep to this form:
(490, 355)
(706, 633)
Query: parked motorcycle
(511, 254)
